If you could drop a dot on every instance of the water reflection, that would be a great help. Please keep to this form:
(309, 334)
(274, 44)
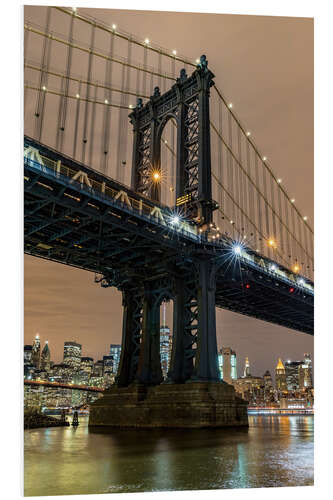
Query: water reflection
(273, 451)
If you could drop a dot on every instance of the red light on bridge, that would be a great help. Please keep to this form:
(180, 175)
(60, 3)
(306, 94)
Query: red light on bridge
(247, 286)
(291, 290)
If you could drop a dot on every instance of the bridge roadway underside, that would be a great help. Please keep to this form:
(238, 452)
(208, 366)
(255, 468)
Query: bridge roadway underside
(70, 225)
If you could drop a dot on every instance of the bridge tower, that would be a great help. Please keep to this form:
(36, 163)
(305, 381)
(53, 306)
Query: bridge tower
(187, 102)
(188, 279)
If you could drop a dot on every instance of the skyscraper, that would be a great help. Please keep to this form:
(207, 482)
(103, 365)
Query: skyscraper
(87, 365)
(228, 364)
(165, 348)
(115, 350)
(280, 377)
(305, 373)
(45, 358)
(27, 354)
(72, 355)
(247, 368)
(292, 369)
(35, 356)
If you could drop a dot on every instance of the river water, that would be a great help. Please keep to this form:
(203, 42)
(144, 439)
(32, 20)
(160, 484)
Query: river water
(273, 451)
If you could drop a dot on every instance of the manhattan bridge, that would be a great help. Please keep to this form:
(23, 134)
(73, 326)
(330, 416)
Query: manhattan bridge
(137, 169)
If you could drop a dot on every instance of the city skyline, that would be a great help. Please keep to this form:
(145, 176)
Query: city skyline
(240, 366)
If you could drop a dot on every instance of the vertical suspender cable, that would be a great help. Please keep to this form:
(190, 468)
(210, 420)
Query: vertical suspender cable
(87, 103)
(92, 130)
(64, 98)
(77, 119)
(43, 78)
(107, 111)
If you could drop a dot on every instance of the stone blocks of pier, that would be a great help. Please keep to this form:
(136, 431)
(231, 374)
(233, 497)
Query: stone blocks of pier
(189, 405)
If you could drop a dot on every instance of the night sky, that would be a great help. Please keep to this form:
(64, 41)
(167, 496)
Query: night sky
(264, 65)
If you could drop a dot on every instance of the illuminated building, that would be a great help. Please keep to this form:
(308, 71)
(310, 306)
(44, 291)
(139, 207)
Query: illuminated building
(27, 354)
(61, 373)
(98, 369)
(268, 387)
(115, 350)
(87, 366)
(35, 355)
(72, 355)
(165, 348)
(108, 372)
(250, 388)
(280, 377)
(305, 375)
(45, 358)
(228, 364)
(247, 367)
(292, 369)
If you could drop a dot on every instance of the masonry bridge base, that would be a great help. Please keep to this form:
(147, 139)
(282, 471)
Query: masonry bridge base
(188, 405)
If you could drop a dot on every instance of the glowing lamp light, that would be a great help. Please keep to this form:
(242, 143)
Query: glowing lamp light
(305, 217)
(271, 243)
(264, 158)
(247, 286)
(291, 290)
(230, 105)
(175, 219)
(279, 181)
(77, 96)
(296, 268)
(156, 176)
(106, 101)
(301, 282)
(292, 200)
(146, 41)
(114, 26)
(237, 249)
(130, 106)
(273, 267)
(44, 88)
(248, 134)
(174, 52)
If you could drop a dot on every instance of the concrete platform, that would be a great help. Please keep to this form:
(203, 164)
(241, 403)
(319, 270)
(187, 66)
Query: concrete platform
(189, 405)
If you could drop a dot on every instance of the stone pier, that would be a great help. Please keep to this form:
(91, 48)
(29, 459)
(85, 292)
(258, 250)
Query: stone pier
(188, 405)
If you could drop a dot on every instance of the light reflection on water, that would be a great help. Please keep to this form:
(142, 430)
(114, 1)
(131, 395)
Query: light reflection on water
(274, 451)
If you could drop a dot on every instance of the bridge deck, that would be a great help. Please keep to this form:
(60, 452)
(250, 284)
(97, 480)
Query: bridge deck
(76, 216)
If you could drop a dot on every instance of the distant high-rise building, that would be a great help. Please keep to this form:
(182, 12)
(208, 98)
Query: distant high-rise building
(247, 368)
(72, 355)
(87, 365)
(115, 350)
(292, 369)
(45, 358)
(228, 364)
(280, 377)
(35, 355)
(268, 379)
(108, 365)
(268, 387)
(165, 349)
(305, 373)
(27, 354)
(98, 368)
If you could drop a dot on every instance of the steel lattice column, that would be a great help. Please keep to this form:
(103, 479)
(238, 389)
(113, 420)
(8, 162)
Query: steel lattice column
(206, 360)
(131, 336)
(149, 368)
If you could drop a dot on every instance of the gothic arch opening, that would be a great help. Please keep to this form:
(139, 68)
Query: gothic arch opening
(167, 144)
